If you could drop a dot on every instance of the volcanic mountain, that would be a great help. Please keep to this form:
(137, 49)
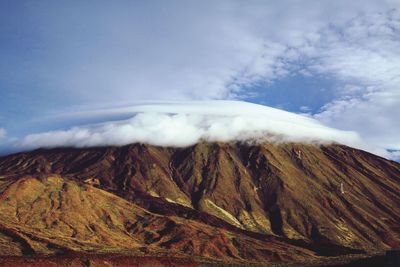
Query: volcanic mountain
(235, 202)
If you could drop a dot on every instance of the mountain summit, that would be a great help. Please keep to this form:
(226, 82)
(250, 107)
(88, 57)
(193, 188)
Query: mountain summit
(238, 202)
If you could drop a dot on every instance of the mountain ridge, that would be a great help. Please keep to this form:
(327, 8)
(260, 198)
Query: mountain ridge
(324, 199)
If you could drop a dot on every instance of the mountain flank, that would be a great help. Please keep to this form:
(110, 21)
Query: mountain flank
(234, 202)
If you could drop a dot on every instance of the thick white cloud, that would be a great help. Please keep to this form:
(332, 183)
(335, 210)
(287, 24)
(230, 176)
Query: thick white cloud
(186, 123)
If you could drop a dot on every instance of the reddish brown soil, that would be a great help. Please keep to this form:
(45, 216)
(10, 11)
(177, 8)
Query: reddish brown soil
(79, 260)
(253, 203)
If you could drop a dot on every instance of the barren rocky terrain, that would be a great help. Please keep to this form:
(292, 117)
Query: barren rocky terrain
(212, 203)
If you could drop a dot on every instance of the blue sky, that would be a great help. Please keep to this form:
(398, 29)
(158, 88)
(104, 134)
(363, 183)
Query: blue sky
(337, 61)
(286, 93)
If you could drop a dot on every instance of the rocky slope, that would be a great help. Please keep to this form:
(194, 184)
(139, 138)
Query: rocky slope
(53, 215)
(260, 202)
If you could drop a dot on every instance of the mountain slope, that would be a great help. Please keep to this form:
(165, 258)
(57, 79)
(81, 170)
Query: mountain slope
(55, 215)
(330, 195)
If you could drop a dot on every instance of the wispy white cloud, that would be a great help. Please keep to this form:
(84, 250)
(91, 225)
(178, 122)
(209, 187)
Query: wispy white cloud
(186, 123)
(374, 116)
(2, 133)
(364, 56)
(394, 155)
(181, 50)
